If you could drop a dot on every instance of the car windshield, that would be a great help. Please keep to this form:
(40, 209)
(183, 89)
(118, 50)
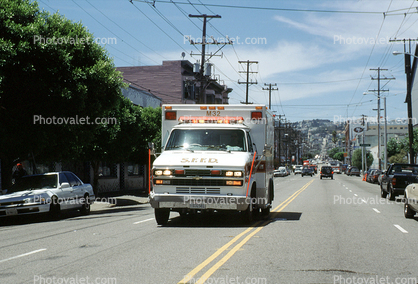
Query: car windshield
(207, 140)
(34, 182)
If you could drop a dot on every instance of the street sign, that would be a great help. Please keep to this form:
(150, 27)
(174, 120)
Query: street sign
(365, 145)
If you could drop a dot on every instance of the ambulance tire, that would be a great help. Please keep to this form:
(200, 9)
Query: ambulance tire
(247, 215)
(266, 211)
(162, 215)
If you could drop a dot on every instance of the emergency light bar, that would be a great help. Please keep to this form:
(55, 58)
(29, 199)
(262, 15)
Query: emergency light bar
(212, 119)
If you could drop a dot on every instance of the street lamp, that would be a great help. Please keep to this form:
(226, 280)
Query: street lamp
(408, 73)
(406, 53)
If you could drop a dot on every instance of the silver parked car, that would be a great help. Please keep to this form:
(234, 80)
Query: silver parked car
(411, 200)
(49, 192)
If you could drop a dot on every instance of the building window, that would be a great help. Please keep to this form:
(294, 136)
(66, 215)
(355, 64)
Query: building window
(135, 170)
(107, 169)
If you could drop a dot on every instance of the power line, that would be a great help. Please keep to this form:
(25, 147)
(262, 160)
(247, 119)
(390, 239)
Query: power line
(110, 31)
(274, 8)
(128, 33)
(159, 27)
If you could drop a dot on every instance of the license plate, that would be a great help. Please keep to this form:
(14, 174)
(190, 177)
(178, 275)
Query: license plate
(197, 205)
(11, 211)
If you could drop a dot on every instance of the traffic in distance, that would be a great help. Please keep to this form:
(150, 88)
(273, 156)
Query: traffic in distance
(397, 180)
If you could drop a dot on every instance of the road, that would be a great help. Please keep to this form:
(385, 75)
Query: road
(319, 231)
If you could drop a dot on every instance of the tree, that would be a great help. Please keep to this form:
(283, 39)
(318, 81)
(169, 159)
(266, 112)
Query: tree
(334, 136)
(394, 147)
(357, 161)
(50, 70)
(339, 156)
(333, 151)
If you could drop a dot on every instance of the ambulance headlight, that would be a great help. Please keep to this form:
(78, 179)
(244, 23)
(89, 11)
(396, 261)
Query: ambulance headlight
(233, 174)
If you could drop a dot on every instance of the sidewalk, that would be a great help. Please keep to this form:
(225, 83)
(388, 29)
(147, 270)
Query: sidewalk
(119, 201)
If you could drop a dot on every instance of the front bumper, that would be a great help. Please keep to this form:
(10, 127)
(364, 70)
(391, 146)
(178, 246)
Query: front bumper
(23, 209)
(199, 202)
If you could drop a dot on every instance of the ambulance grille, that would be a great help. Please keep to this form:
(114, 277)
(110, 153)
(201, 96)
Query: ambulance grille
(184, 190)
(194, 172)
(201, 182)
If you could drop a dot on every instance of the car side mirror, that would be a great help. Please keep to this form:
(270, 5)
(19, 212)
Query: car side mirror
(65, 185)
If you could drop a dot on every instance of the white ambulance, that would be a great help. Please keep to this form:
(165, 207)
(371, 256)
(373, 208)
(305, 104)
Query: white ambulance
(214, 158)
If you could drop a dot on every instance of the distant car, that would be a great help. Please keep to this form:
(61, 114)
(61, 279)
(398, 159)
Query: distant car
(354, 171)
(379, 179)
(307, 172)
(298, 170)
(49, 192)
(375, 176)
(326, 171)
(347, 171)
(280, 173)
(411, 200)
(369, 174)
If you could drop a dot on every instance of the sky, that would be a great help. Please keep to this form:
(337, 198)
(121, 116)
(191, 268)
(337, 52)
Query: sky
(319, 53)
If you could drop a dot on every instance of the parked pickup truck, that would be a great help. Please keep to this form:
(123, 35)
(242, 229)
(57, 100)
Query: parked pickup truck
(396, 178)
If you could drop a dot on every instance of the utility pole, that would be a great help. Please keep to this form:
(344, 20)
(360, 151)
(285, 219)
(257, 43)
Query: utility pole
(280, 139)
(203, 80)
(378, 78)
(270, 89)
(408, 99)
(248, 82)
(363, 150)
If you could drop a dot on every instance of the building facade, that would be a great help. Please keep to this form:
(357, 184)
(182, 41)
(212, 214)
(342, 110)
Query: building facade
(175, 83)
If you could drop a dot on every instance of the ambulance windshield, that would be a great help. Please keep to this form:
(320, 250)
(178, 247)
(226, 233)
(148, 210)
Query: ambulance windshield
(207, 140)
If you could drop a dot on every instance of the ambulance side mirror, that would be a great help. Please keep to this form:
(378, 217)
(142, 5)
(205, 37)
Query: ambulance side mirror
(151, 147)
(268, 150)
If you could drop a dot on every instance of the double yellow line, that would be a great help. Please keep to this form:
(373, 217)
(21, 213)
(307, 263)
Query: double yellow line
(255, 229)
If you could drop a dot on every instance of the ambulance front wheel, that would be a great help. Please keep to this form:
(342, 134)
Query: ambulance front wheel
(162, 215)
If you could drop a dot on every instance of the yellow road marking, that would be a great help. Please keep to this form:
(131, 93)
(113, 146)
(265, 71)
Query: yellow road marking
(260, 225)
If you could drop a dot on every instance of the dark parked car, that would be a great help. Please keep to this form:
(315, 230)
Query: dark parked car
(375, 176)
(307, 172)
(396, 179)
(369, 174)
(326, 171)
(354, 171)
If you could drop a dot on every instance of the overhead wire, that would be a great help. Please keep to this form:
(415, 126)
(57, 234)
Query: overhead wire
(112, 33)
(368, 60)
(274, 8)
(159, 27)
(134, 37)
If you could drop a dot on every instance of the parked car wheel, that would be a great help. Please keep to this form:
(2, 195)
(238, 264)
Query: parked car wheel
(383, 193)
(390, 195)
(54, 209)
(407, 211)
(85, 208)
(162, 215)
